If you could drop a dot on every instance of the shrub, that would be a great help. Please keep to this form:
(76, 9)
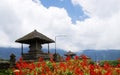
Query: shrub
(4, 65)
(112, 63)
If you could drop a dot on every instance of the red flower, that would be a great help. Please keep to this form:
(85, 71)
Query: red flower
(32, 66)
(83, 56)
(21, 73)
(76, 58)
(118, 65)
(38, 64)
(21, 60)
(63, 66)
(108, 73)
(42, 74)
(92, 72)
(18, 66)
(16, 72)
(118, 71)
(47, 69)
(68, 58)
(78, 71)
(40, 59)
(106, 65)
(92, 67)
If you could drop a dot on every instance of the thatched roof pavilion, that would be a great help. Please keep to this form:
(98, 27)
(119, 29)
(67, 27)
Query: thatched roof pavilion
(34, 39)
(83, 56)
(70, 54)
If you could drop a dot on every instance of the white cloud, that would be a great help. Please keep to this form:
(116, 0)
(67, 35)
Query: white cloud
(99, 8)
(102, 28)
(100, 31)
(19, 17)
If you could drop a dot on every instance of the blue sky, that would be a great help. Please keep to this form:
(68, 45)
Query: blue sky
(74, 11)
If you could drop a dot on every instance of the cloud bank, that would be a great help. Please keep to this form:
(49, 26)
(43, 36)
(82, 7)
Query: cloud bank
(99, 31)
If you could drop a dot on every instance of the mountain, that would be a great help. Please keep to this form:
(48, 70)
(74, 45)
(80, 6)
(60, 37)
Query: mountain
(6, 52)
(94, 54)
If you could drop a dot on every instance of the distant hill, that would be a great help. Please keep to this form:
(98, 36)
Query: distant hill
(94, 54)
(6, 52)
(103, 54)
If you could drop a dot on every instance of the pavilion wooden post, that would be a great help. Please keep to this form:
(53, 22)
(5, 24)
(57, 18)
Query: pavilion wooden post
(48, 49)
(22, 49)
(36, 45)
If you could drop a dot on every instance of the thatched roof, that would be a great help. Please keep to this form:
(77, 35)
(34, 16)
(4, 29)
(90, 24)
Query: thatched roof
(34, 36)
(84, 56)
(70, 54)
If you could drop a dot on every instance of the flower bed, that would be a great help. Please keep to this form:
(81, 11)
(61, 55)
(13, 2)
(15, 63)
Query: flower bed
(69, 67)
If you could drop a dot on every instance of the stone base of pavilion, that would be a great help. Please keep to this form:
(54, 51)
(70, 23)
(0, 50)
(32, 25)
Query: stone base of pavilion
(34, 56)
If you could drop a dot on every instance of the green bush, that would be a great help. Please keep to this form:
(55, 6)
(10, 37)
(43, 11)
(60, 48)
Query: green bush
(92, 62)
(4, 65)
(6, 72)
(112, 62)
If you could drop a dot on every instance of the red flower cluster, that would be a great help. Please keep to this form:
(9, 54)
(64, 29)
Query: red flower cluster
(69, 67)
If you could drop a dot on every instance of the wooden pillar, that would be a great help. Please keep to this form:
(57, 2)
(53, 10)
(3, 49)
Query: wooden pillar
(22, 49)
(48, 49)
(36, 45)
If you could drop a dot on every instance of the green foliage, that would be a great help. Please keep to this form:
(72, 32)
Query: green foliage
(69, 73)
(112, 62)
(49, 64)
(6, 72)
(91, 62)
